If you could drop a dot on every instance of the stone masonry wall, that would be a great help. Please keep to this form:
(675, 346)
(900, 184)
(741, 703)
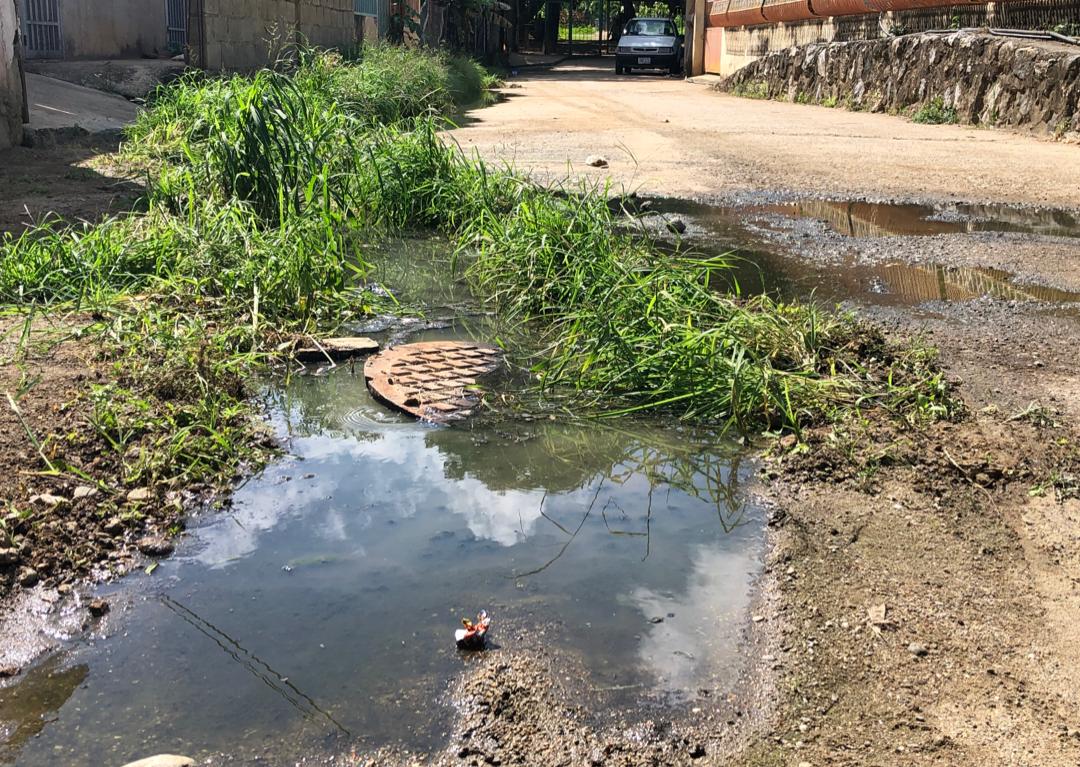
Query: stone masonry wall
(247, 34)
(11, 93)
(988, 80)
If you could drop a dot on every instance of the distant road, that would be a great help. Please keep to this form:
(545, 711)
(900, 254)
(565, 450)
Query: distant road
(713, 143)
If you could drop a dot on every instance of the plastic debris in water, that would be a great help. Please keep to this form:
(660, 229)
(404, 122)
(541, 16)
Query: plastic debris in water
(473, 636)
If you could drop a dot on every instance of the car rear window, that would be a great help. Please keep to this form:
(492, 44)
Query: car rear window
(649, 27)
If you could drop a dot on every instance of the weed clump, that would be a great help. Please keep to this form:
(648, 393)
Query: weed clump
(935, 112)
(630, 329)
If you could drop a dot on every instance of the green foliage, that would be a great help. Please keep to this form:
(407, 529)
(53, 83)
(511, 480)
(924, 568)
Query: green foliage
(934, 112)
(752, 90)
(263, 191)
(630, 329)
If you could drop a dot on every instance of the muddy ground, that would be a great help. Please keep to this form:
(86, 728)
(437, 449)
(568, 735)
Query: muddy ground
(920, 603)
(923, 589)
(70, 180)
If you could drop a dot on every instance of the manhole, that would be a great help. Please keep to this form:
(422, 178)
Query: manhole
(435, 380)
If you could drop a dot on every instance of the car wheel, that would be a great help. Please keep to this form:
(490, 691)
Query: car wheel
(619, 69)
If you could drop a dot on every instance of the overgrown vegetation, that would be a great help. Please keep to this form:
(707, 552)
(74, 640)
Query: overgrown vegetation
(262, 194)
(631, 329)
(935, 112)
(758, 89)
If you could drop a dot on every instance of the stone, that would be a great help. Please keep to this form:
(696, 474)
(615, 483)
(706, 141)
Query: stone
(139, 494)
(155, 546)
(28, 577)
(47, 499)
(163, 760)
(85, 491)
(917, 649)
(337, 349)
(113, 526)
(9, 557)
(98, 607)
(676, 226)
(596, 161)
(900, 74)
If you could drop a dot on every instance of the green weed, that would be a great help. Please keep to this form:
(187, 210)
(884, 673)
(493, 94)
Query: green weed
(752, 90)
(934, 112)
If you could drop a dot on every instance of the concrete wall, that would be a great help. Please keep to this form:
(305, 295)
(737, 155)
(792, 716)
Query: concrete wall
(247, 34)
(110, 29)
(726, 50)
(11, 92)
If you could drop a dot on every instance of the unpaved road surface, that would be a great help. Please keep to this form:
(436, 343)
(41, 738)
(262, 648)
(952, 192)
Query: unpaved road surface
(662, 134)
(921, 603)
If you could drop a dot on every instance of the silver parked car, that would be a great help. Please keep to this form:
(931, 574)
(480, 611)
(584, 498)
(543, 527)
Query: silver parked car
(649, 44)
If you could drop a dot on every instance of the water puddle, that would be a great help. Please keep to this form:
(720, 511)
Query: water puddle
(876, 219)
(762, 266)
(316, 613)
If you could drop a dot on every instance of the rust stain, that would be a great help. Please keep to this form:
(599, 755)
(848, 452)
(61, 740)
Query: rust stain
(432, 380)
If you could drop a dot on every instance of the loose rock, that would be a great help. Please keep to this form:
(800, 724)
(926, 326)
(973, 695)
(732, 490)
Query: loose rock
(155, 546)
(163, 760)
(98, 607)
(596, 161)
(139, 494)
(47, 499)
(917, 649)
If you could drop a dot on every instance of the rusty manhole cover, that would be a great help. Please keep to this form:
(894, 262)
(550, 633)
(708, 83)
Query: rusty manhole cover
(434, 380)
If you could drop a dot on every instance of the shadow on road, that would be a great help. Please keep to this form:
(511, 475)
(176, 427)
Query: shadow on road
(592, 69)
(65, 180)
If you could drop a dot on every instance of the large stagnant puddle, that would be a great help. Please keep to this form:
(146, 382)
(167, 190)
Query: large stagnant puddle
(315, 614)
(762, 265)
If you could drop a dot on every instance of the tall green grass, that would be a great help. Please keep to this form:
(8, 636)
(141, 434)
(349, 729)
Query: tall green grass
(263, 190)
(630, 328)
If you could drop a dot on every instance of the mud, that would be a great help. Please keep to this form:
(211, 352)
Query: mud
(72, 181)
(64, 522)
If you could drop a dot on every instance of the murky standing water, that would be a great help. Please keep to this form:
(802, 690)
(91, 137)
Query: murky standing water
(317, 613)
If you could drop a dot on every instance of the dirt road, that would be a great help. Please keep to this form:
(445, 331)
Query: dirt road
(921, 603)
(662, 134)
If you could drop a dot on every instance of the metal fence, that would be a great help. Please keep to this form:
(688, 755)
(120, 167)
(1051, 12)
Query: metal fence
(366, 8)
(41, 29)
(176, 16)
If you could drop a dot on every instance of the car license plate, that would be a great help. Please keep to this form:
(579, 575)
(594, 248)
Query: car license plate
(644, 60)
